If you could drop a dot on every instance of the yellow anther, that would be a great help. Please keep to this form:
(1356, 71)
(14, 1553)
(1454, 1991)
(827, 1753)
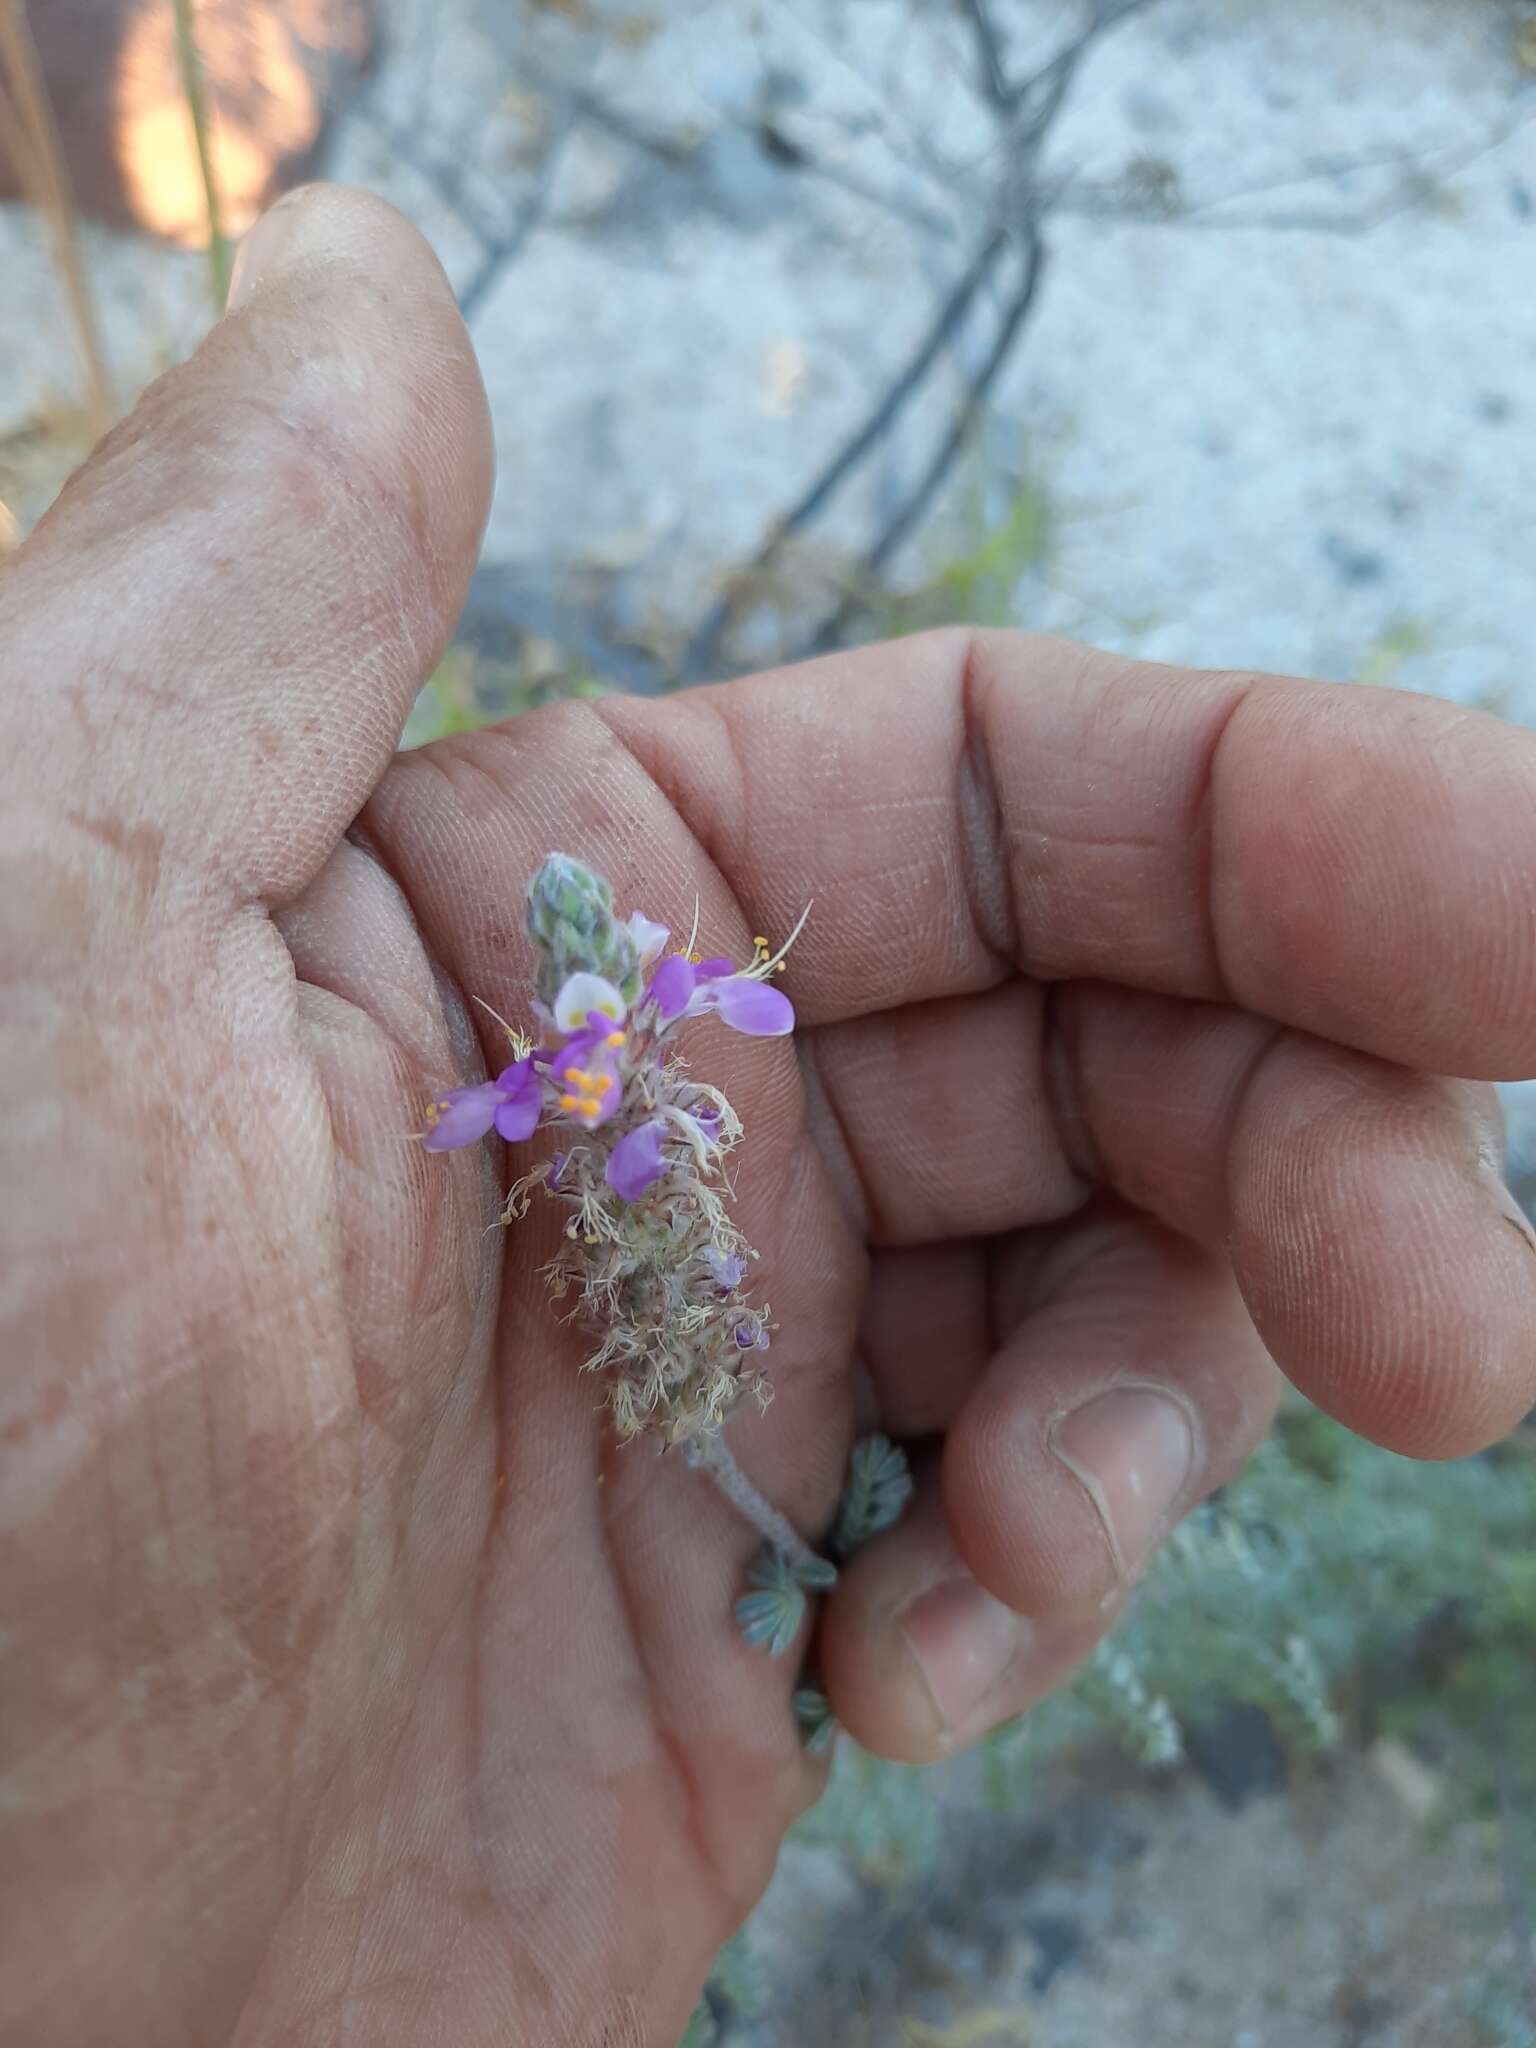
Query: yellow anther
(577, 1075)
(761, 941)
(570, 1102)
(614, 1038)
(603, 1083)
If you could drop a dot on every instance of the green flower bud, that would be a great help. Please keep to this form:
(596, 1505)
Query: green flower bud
(572, 924)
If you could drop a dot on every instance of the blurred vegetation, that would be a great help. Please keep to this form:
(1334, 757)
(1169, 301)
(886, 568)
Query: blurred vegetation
(1346, 1591)
(983, 577)
(1399, 640)
(468, 689)
(1351, 1595)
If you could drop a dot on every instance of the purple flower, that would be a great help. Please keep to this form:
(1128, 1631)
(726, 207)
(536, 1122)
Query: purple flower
(750, 1334)
(680, 989)
(636, 1162)
(586, 1072)
(726, 1269)
(512, 1104)
(751, 1006)
(672, 986)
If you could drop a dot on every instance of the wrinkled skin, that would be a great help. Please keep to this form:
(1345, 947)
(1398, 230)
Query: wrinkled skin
(355, 1688)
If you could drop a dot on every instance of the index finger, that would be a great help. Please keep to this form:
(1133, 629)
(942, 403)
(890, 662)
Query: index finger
(1358, 862)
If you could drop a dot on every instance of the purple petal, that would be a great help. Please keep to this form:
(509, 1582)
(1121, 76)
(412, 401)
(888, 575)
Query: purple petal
(716, 969)
(636, 1162)
(726, 1269)
(590, 1055)
(753, 1007)
(462, 1116)
(518, 1118)
(522, 1101)
(603, 1062)
(671, 985)
(575, 1053)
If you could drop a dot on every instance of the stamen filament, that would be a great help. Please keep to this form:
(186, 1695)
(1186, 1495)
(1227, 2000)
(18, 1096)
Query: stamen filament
(761, 969)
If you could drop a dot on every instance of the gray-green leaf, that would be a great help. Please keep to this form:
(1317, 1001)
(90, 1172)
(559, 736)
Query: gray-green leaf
(879, 1487)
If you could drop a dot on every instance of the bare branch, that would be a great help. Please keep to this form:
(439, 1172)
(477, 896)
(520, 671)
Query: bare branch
(446, 177)
(994, 79)
(1420, 179)
(703, 647)
(505, 249)
(786, 148)
(1106, 14)
(915, 507)
(1025, 113)
(508, 600)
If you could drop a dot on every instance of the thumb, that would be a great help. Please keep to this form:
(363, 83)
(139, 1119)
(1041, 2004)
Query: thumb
(212, 640)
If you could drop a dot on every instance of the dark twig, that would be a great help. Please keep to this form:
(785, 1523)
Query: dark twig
(1015, 313)
(916, 504)
(507, 601)
(1026, 112)
(787, 149)
(994, 79)
(1420, 177)
(1106, 14)
(649, 141)
(1023, 114)
(703, 648)
(501, 242)
(504, 249)
(447, 179)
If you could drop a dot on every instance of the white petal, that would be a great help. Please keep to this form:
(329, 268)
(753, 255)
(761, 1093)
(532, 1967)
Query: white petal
(583, 993)
(649, 938)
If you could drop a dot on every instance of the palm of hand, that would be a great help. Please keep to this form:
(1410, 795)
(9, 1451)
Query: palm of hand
(362, 1689)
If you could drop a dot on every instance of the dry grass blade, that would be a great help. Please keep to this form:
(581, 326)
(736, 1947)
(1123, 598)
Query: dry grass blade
(27, 118)
(191, 67)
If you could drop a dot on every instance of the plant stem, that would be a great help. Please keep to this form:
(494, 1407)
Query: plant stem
(28, 120)
(197, 107)
(713, 1455)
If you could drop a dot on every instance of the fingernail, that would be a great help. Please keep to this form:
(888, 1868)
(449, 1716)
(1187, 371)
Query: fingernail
(964, 1643)
(268, 248)
(1132, 1450)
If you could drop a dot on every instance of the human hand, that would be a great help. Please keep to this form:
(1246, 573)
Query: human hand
(355, 1686)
